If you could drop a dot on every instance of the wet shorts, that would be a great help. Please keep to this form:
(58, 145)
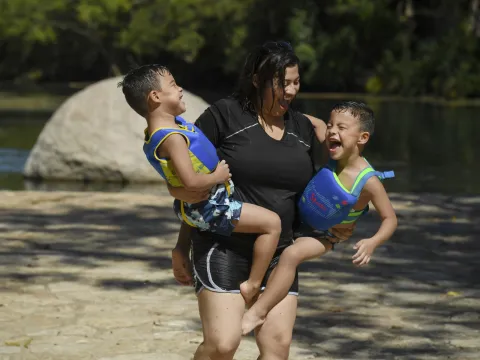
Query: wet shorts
(222, 264)
(214, 214)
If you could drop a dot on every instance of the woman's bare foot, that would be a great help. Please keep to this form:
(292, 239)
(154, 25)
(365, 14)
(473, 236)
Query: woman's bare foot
(251, 320)
(249, 292)
(181, 266)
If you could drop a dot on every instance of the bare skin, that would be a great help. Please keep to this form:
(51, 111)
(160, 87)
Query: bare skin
(255, 219)
(181, 264)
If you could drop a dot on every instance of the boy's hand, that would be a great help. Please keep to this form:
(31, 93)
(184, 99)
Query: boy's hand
(222, 172)
(365, 249)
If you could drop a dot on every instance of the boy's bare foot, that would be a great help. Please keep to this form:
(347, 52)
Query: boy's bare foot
(182, 268)
(249, 292)
(250, 321)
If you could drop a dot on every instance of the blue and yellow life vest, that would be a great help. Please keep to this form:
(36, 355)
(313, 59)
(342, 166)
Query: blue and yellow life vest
(325, 202)
(202, 152)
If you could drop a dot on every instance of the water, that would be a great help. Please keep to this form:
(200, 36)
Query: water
(431, 148)
(18, 133)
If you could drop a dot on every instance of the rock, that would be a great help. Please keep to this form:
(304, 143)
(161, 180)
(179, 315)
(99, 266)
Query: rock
(95, 136)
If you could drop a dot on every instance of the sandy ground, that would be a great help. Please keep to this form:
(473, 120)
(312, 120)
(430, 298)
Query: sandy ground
(87, 276)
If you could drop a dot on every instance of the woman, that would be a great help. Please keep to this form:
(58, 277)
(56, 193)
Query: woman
(268, 147)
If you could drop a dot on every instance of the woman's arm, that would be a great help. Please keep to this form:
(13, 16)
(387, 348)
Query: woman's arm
(181, 262)
(319, 151)
(319, 127)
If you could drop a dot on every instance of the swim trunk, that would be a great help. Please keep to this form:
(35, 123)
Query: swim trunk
(214, 214)
(305, 230)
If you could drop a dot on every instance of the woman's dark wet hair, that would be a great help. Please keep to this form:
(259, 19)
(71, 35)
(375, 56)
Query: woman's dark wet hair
(265, 65)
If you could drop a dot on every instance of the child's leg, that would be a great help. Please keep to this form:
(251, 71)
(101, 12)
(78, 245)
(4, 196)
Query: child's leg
(303, 249)
(255, 219)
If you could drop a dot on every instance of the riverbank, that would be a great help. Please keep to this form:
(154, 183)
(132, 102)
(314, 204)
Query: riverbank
(11, 101)
(87, 276)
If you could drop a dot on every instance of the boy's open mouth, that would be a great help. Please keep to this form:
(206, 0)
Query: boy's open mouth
(333, 144)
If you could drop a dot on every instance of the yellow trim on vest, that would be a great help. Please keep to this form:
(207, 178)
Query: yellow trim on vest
(181, 127)
(228, 188)
(165, 138)
(198, 166)
(339, 182)
(361, 175)
(166, 164)
(168, 168)
(355, 213)
(171, 175)
(184, 216)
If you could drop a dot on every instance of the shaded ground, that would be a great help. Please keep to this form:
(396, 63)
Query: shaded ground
(87, 276)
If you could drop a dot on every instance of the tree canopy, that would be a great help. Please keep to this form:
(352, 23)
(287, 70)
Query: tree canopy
(402, 47)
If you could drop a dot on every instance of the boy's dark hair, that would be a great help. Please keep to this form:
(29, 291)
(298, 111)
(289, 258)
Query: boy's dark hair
(267, 63)
(138, 83)
(360, 111)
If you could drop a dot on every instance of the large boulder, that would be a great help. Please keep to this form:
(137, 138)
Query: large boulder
(94, 135)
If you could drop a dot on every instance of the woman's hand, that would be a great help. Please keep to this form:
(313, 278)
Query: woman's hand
(342, 232)
(191, 197)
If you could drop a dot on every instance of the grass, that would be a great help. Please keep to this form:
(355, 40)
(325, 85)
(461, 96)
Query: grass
(30, 102)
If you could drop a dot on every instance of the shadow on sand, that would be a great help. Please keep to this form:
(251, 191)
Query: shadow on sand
(418, 299)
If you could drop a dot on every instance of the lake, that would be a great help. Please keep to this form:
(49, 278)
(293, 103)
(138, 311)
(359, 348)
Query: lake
(431, 147)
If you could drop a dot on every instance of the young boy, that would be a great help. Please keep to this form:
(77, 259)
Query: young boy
(348, 130)
(184, 156)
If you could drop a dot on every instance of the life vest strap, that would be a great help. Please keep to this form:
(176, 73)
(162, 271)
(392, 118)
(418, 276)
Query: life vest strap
(365, 175)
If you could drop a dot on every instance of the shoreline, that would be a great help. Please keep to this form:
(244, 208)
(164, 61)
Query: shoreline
(44, 103)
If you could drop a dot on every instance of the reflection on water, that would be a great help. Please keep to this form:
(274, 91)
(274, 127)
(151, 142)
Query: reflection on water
(431, 148)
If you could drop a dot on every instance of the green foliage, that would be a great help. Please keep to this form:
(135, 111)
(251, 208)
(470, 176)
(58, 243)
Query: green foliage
(181, 27)
(405, 47)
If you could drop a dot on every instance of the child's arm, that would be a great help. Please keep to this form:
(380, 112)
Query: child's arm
(191, 197)
(319, 127)
(176, 149)
(376, 192)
